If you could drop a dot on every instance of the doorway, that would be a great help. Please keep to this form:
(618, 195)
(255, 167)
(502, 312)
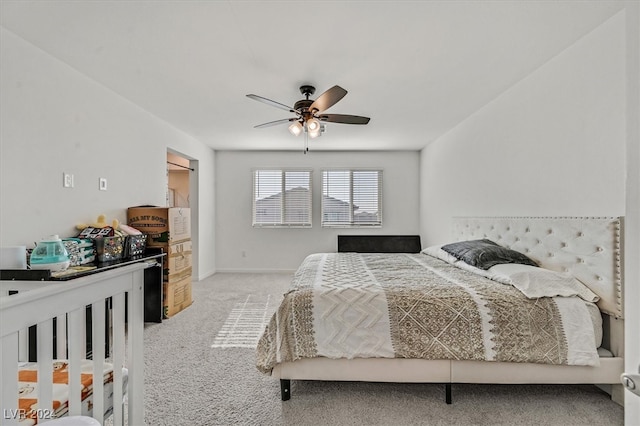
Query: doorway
(182, 191)
(178, 170)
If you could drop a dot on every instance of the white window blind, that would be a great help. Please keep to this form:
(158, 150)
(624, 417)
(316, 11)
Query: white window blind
(281, 198)
(351, 198)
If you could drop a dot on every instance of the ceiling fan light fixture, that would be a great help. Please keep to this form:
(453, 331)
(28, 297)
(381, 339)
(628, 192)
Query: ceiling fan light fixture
(295, 128)
(313, 125)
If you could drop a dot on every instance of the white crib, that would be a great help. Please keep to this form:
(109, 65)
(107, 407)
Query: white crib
(37, 303)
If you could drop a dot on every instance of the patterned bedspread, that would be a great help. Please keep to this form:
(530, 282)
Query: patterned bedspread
(349, 305)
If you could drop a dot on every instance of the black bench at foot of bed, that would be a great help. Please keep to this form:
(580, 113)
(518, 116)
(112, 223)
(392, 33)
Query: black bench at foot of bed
(379, 243)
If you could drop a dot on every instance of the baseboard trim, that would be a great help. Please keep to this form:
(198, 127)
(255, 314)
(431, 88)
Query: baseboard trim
(255, 271)
(206, 275)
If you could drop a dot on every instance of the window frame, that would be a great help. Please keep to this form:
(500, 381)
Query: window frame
(351, 223)
(283, 198)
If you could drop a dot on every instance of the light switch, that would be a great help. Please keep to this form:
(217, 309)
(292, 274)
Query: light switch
(67, 180)
(102, 185)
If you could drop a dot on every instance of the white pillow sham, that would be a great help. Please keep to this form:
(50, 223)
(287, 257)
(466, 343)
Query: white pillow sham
(532, 281)
(437, 252)
(535, 282)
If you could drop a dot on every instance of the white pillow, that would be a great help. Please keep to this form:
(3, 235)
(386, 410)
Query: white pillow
(437, 252)
(535, 282)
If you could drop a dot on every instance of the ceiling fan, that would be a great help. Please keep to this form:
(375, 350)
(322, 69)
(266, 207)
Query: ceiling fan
(310, 117)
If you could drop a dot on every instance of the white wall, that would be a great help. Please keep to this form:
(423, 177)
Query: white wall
(553, 144)
(54, 120)
(284, 249)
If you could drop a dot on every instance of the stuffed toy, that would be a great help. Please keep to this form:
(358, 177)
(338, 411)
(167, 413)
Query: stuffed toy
(100, 223)
(99, 229)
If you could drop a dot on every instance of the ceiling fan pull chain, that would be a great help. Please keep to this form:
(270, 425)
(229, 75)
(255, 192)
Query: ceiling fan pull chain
(306, 142)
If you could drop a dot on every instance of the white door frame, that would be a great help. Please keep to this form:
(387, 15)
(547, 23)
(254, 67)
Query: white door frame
(194, 179)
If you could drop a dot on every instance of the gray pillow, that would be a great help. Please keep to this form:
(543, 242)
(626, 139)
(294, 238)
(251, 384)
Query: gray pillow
(484, 254)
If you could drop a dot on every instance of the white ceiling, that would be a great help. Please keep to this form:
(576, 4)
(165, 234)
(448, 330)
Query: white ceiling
(417, 68)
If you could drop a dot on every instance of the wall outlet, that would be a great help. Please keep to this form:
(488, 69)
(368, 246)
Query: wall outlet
(102, 184)
(67, 180)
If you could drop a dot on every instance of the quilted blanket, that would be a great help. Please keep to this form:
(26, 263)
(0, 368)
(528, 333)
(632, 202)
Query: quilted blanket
(350, 305)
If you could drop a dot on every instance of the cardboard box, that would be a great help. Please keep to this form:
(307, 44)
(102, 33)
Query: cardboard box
(178, 261)
(174, 276)
(163, 225)
(178, 258)
(176, 296)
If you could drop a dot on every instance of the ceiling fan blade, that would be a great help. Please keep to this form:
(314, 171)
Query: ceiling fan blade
(272, 103)
(328, 99)
(275, 123)
(343, 118)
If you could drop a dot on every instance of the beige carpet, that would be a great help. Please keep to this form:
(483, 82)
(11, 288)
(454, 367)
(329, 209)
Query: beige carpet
(196, 375)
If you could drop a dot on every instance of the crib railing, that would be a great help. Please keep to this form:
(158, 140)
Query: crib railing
(38, 303)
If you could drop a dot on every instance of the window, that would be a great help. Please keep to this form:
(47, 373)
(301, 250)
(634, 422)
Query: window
(281, 198)
(351, 198)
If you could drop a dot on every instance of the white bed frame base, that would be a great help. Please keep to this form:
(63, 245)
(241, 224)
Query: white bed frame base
(586, 247)
(37, 303)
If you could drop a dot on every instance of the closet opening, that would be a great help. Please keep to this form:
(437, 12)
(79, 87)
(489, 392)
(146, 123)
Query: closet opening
(182, 191)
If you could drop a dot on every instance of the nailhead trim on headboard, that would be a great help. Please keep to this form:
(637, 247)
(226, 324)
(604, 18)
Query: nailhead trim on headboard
(588, 248)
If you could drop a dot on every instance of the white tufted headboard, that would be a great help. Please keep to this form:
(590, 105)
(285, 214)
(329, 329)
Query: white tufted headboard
(586, 247)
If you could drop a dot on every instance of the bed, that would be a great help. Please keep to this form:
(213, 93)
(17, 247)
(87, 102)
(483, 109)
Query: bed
(100, 379)
(430, 317)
